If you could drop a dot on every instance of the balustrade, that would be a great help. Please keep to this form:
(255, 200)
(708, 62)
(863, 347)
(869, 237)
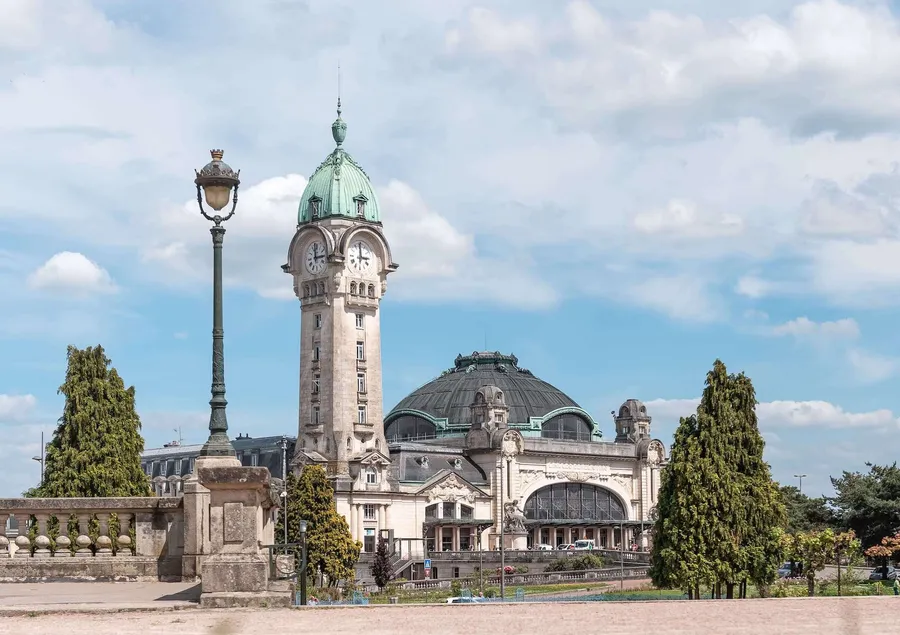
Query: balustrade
(44, 528)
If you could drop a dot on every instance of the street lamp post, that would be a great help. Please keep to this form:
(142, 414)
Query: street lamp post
(215, 182)
(40, 459)
(284, 493)
(801, 477)
(302, 528)
(502, 539)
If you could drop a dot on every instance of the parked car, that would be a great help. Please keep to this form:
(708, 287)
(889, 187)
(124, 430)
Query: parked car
(465, 600)
(879, 574)
(543, 547)
(584, 545)
(566, 547)
(784, 571)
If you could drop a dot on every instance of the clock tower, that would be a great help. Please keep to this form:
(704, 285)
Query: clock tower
(339, 259)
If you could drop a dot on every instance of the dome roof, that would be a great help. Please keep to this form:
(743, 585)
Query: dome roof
(450, 395)
(339, 186)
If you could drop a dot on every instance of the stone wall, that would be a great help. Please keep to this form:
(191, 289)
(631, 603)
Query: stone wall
(131, 538)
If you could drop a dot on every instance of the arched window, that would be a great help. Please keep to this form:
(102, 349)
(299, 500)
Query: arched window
(321, 288)
(409, 427)
(305, 290)
(371, 476)
(377, 444)
(352, 288)
(349, 443)
(567, 427)
(573, 501)
(371, 290)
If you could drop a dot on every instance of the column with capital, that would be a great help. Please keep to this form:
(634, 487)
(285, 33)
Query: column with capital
(360, 513)
(353, 522)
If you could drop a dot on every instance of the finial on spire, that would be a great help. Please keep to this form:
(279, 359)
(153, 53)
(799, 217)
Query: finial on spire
(339, 128)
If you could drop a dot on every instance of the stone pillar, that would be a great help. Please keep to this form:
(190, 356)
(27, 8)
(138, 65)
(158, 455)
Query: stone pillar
(387, 516)
(196, 527)
(553, 537)
(439, 538)
(235, 571)
(610, 538)
(360, 514)
(379, 515)
(354, 523)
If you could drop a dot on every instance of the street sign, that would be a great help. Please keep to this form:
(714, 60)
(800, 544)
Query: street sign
(427, 563)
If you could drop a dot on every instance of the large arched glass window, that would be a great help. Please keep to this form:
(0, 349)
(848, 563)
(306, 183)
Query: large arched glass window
(573, 501)
(409, 428)
(567, 427)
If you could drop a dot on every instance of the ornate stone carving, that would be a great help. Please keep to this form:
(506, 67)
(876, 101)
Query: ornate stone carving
(383, 287)
(451, 490)
(625, 483)
(336, 281)
(528, 476)
(656, 453)
(511, 445)
(513, 518)
(276, 487)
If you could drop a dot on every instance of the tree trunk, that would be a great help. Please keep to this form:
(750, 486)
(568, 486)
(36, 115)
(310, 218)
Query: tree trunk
(811, 585)
(729, 590)
(690, 593)
(696, 591)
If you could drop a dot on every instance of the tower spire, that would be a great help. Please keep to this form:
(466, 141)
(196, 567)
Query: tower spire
(339, 128)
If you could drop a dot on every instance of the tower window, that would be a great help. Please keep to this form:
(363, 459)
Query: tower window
(360, 350)
(314, 207)
(371, 290)
(360, 207)
(315, 415)
(371, 476)
(352, 288)
(349, 443)
(317, 319)
(360, 382)
(361, 414)
(315, 383)
(499, 417)
(360, 320)
(316, 352)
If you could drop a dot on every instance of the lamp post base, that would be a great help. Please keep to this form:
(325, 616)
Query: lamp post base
(219, 445)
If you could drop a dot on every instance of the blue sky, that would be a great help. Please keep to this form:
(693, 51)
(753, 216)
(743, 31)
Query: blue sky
(618, 193)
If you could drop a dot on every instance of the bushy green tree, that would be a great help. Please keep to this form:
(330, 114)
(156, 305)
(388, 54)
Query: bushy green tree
(381, 569)
(805, 513)
(815, 549)
(869, 504)
(96, 448)
(331, 551)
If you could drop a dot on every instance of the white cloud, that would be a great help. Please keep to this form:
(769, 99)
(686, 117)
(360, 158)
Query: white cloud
(786, 414)
(752, 287)
(682, 218)
(71, 273)
(804, 328)
(16, 407)
(871, 368)
(681, 297)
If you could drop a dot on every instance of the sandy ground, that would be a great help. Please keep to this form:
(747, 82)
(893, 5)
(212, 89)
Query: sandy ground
(822, 616)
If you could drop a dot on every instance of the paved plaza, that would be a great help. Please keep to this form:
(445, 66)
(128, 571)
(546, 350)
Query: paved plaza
(821, 616)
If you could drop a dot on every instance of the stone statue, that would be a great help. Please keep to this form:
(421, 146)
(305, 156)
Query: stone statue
(513, 519)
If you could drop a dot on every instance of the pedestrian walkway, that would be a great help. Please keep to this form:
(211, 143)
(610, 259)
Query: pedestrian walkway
(16, 598)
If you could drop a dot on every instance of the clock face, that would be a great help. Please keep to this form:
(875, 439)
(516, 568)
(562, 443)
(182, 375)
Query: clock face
(315, 257)
(361, 257)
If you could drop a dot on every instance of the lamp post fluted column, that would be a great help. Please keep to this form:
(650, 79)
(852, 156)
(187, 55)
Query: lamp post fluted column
(216, 181)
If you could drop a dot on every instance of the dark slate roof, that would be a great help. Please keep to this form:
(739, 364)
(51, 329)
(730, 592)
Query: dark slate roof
(450, 395)
(408, 457)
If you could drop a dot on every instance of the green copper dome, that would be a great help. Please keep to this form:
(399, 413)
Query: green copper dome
(339, 186)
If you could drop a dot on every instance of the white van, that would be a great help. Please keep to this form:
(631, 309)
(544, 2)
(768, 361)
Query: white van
(584, 545)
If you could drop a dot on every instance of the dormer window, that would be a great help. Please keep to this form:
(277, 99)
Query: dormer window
(371, 476)
(360, 206)
(314, 207)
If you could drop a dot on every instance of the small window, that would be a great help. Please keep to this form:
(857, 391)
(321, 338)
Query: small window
(360, 382)
(449, 510)
(360, 350)
(499, 417)
(360, 320)
(318, 320)
(368, 512)
(371, 476)
(314, 207)
(305, 290)
(315, 415)
(352, 288)
(316, 352)
(315, 383)
(178, 467)
(371, 290)
(349, 443)
(254, 459)
(192, 466)
(361, 414)
(360, 208)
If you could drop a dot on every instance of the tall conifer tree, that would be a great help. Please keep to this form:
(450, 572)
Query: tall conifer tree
(96, 448)
(330, 548)
(718, 506)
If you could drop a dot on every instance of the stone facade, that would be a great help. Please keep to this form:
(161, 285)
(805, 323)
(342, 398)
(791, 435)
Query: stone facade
(485, 443)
